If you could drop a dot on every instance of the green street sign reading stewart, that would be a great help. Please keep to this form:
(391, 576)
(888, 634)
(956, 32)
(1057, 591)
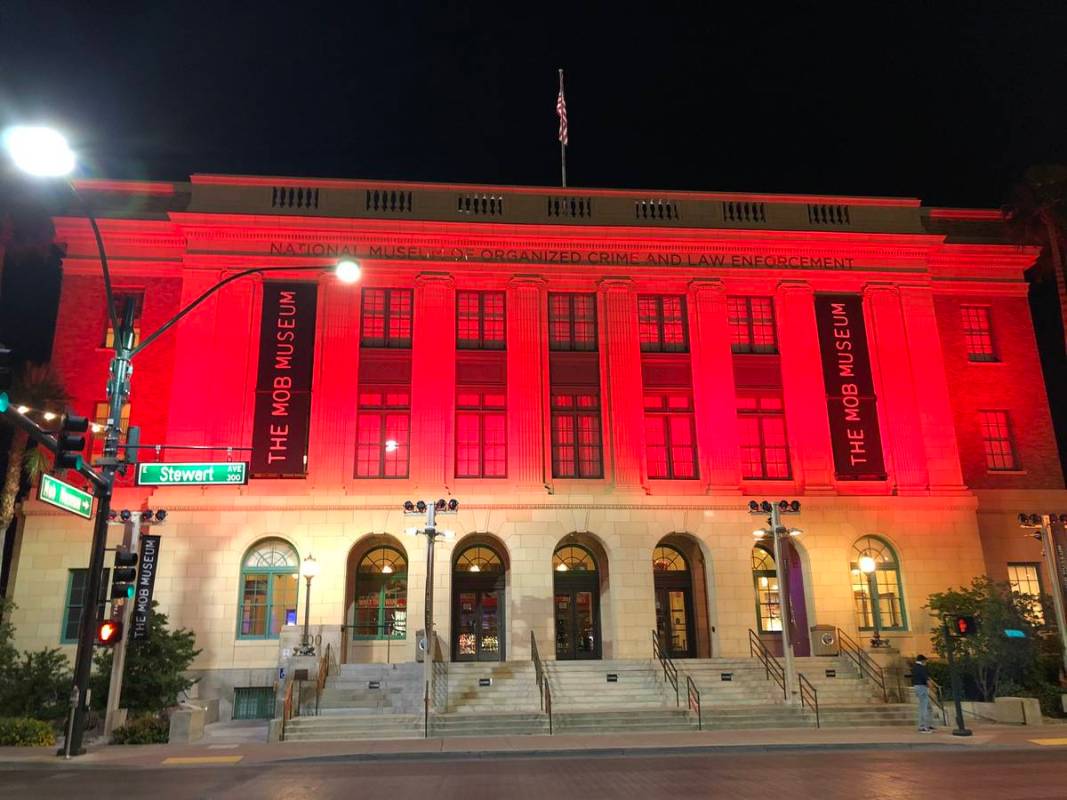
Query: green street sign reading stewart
(224, 473)
(62, 495)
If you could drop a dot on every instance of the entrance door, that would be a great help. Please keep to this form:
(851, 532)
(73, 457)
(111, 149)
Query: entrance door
(478, 626)
(577, 623)
(673, 621)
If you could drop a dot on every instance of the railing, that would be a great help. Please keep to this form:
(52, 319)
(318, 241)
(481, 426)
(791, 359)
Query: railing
(320, 679)
(670, 672)
(809, 697)
(771, 664)
(544, 688)
(937, 699)
(864, 663)
(287, 705)
(694, 701)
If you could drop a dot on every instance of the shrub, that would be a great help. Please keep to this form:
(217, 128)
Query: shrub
(142, 730)
(37, 685)
(25, 732)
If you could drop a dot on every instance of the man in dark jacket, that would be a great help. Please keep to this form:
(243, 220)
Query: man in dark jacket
(920, 682)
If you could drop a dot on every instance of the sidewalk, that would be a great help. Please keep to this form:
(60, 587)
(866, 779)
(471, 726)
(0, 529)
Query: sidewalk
(683, 743)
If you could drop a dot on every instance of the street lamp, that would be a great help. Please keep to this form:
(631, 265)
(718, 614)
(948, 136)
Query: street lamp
(44, 152)
(1041, 527)
(868, 566)
(309, 568)
(776, 531)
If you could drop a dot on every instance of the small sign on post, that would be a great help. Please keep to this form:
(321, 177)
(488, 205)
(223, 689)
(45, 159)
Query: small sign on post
(207, 473)
(62, 495)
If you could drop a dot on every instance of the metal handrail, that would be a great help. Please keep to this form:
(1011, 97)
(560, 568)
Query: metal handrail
(320, 679)
(771, 664)
(864, 663)
(287, 705)
(938, 700)
(694, 699)
(809, 696)
(544, 688)
(670, 672)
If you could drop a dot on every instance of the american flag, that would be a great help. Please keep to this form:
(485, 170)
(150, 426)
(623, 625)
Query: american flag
(561, 109)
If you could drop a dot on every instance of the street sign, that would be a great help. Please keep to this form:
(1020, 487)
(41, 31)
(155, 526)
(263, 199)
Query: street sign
(62, 495)
(219, 473)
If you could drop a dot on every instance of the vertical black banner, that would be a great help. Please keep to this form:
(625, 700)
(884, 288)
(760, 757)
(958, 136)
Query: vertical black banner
(283, 385)
(146, 583)
(850, 400)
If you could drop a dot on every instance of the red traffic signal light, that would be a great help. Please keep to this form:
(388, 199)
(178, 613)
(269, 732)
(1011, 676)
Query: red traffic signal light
(109, 633)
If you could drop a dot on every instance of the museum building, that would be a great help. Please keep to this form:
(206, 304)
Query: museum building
(603, 380)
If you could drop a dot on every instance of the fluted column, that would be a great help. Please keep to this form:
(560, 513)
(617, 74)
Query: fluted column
(803, 389)
(192, 337)
(433, 381)
(622, 384)
(526, 360)
(714, 393)
(895, 386)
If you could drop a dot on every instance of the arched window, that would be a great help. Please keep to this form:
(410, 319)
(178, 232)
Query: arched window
(768, 598)
(666, 559)
(479, 558)
(875, 568)
(573, 558)
(269, 587)
(382, 595)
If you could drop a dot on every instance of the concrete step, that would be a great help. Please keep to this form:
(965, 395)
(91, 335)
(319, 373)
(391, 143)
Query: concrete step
(490, 724)
(338, 727)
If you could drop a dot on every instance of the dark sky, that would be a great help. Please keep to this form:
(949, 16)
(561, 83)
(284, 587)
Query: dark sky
(947, 101)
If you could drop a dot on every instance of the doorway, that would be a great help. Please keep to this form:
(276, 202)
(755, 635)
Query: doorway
(771, 599)
(478, 593)
(576, 604)
(674, 602)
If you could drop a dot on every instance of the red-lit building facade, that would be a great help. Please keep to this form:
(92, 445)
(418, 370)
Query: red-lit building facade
(603, 379)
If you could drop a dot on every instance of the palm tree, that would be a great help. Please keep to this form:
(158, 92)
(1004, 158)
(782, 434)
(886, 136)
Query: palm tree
(1037, 214)
(38, 387)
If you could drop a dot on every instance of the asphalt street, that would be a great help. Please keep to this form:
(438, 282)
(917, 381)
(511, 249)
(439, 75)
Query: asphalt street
(826, 775)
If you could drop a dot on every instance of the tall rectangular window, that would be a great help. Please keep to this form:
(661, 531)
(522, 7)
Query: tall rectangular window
(670, 436)
(752, 325)
(382, 433)
(481, 434)
(1026, 579)
(577, 451)
(661, 324)
(764, 447)
(997, 439)
(480, 320)
(386, 318)
(978, 333)
(572, 322)
(121, 298)
(72, 611)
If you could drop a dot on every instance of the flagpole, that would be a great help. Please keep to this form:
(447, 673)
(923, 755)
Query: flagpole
(563, 162)
(563, 135)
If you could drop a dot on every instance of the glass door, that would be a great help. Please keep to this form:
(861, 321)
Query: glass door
(673, 621)
(577, 624)
(477, 626)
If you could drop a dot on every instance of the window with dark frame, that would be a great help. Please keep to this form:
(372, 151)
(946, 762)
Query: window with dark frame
(481, 433)
(121, 298)
(661, 324)
(998, 441)
(752, 325)
(385, 318)
(577, 448)
(1025, 579)
(761, 428)
(572, 322)
(480, 320)
(383, 433)
(72, 612)
(978, 333)
(670, 436)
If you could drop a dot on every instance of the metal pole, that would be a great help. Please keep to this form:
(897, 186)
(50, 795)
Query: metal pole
(306, 641)
(876, 612)
(118, 661)
(1048, 544)
(957, 689)
(427, 657)
(783, 604)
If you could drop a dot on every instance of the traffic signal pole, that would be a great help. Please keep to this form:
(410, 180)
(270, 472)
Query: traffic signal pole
(1048, 544)
(957, 684)
(131, 539)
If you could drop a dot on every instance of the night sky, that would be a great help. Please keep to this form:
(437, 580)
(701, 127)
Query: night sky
(942, 100)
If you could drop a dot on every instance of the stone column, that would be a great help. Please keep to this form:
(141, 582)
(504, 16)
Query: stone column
(893, 380)
(621, 383)
(714, 394)
(433, 381)
(804, 392)
(526, 366)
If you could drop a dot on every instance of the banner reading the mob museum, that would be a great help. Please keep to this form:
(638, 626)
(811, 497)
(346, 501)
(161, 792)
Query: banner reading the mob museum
(850, 400)
(283, 385)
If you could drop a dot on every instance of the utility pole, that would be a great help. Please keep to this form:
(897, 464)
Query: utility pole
(1041, 525)
(130, 539)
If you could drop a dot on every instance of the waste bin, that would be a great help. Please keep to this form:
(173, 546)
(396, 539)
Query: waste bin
(824, 641)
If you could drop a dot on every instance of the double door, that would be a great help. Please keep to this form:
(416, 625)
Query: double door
(478, 623)
(674, 615)
(577, 612)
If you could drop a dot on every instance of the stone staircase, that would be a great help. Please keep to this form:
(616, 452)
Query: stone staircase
(509, 705)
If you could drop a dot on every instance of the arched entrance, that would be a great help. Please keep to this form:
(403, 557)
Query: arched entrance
(675, 623)
(776, 603)
(478, 595)
(376, 601)
(576, 591)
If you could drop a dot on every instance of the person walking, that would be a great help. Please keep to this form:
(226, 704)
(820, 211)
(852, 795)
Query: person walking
(920, 682)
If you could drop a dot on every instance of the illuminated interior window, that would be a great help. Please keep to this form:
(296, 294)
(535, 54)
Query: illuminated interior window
(997, 440)
(577, 451)
(1025, 579)
(761, 427)
(752, 325)
(978, 333)
(661, 324)
(386, 318)
(381, 595)
(889, 600)
(480, 320)
(481, 433)
(479, 558)
(269, 589)
(670, 436)
(573, 558)
(383, 433)
(666, 559)
(572, 322)
(768, 598)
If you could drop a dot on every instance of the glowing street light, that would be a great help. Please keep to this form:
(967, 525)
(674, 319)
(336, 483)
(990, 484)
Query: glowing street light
(868, 566)
(309, 568)
(39, 151)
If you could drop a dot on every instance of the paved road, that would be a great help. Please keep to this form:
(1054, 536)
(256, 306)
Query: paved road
(854, 775)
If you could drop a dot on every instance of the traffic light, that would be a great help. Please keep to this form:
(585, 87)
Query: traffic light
(124, 576)
(108, 632)
(70, 441)
(962, 625)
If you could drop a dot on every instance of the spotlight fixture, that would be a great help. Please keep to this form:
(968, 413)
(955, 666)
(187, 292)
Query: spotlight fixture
(759, 533)
(409, 507)
(146, 515)
(453, 504)
(161, 515)
(421, 506)
(112, 515)
(125, 515)
(753, 506)
(440, 505)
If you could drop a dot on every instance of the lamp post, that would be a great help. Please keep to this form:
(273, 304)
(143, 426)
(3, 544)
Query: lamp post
(1041, 525)
(776, 531)
(868, 566)
(309, 568)
(43, 152)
